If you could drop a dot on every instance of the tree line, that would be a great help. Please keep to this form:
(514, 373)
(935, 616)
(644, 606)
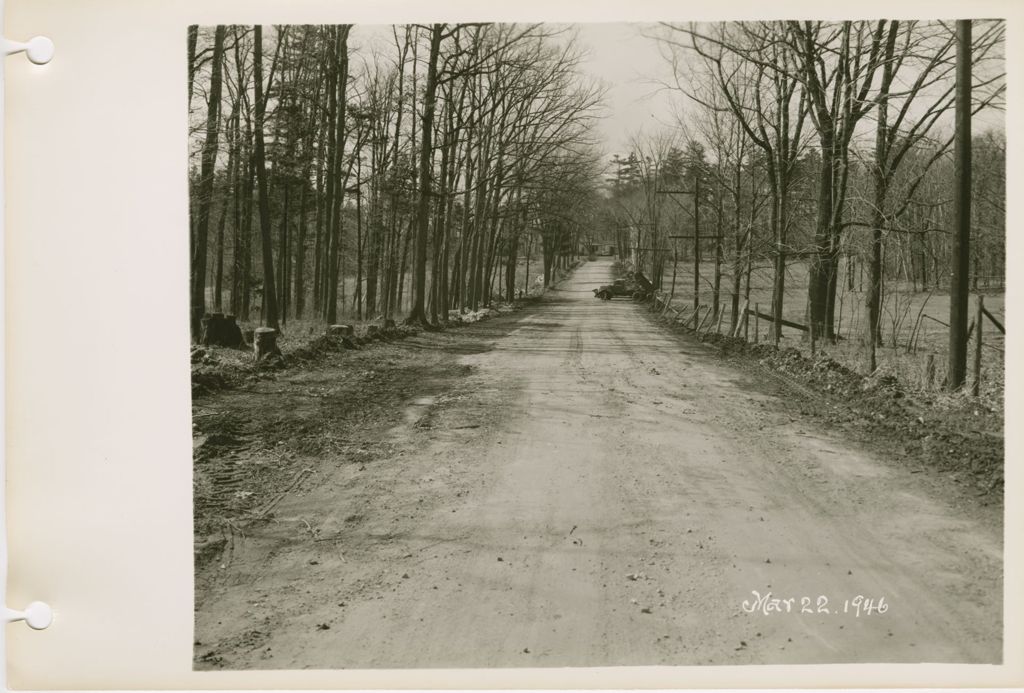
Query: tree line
(407, 166)
(823, 143)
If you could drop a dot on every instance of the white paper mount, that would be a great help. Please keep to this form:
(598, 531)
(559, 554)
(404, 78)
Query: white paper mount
(39, 50)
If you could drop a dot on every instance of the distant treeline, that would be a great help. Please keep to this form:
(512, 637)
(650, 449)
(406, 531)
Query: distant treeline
(825, 143)
(437, 152)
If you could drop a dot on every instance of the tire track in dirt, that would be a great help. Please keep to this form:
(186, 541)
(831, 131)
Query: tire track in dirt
(594, 491)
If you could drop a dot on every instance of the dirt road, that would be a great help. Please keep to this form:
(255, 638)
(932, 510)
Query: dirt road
(595, 491)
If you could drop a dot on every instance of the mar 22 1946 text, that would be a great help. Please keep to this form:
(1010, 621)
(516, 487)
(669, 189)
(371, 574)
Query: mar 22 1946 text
(768, 604)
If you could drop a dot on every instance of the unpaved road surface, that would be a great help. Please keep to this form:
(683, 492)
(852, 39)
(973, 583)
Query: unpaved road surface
(595, 491)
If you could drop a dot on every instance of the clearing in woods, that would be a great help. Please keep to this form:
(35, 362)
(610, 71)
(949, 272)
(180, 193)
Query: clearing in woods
(572, 486)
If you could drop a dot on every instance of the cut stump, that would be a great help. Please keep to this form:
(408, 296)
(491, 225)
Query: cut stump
(265, 343)
(221, 330)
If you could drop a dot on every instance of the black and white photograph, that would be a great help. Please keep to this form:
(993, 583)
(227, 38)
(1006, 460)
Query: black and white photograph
(546, 345)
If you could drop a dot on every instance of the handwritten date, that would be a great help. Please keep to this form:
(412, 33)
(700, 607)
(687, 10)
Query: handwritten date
(768, 604)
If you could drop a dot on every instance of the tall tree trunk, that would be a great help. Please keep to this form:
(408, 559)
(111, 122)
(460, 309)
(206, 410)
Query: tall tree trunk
(436, 279)
(465, 231)
(205, 196)
(325, 181)
(392, 299)
(218, 281)
(236, 219)
(247, 228)
(358, 293)
(958, 292)
(193, 39)
(818, 276)
(269, 291)
(418, 313)
(738, 235)
(475, 287)
(336, 225)
(404, 264)
(529, 251)
(300, 254)
(513, 250)
(719, 212)
(880, 181)
(283, 255)
(780, 221)
(372, 233)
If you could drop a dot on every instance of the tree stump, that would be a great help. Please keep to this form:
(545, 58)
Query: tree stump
(340, 331)
(221, 330)
(373, 332)
(389, 324)
(232, 333)
(212, 324)
(929, 371)
(265, 343)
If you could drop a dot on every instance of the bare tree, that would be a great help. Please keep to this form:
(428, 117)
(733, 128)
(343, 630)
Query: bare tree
(418, 313)
(205, 188)
(260, 158)
(751, 66)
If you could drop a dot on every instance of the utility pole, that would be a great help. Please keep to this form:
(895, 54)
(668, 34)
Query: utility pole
(696, 236)
(696, 244)
(675, 263)
(958, 285)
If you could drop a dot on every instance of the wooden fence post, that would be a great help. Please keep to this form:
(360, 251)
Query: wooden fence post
(711, 323)
(999, 325)
(741, 319)
(697, 329)
(976, 385)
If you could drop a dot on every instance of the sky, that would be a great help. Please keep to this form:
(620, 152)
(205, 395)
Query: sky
(631, 67)
(621, 59)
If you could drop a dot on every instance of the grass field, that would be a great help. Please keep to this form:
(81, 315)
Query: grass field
(909, 322)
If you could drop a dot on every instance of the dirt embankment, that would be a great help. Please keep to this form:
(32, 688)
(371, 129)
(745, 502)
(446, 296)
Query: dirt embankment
(217, 368)
(954, 434)
(262, 430)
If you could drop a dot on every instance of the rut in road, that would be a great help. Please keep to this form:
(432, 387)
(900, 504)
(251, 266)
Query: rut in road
(592, 494)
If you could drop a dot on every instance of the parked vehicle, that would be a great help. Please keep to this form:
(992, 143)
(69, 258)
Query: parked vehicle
(634, 285)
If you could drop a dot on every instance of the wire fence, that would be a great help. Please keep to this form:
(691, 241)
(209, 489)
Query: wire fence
(914, 326)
